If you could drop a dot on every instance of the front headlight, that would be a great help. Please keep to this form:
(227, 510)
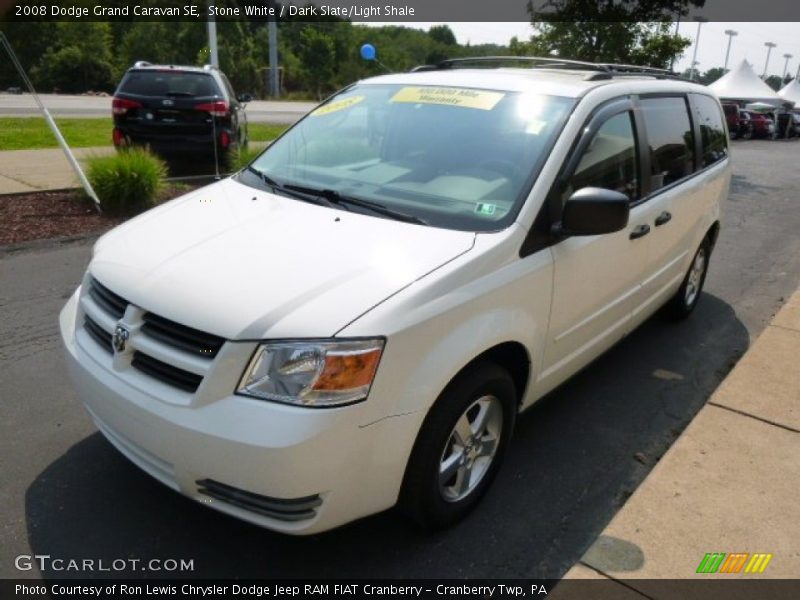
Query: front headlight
(312, 373)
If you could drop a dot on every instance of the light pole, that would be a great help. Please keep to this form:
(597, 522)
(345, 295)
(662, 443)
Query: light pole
(785, 67)
(731, 34)
(770, 46)
(700, 21)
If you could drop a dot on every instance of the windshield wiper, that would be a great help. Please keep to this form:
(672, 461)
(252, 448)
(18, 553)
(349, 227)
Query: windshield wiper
(335, 197)
(288, 191)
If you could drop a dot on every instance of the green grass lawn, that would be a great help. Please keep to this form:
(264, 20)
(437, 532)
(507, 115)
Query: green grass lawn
(31, 133)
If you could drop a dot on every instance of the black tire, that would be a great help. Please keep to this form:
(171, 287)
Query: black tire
(681, 305)
(733, 134)
(431, 503)
(748, 133)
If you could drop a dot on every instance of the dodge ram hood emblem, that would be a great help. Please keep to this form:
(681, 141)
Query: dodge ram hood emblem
(119, 338)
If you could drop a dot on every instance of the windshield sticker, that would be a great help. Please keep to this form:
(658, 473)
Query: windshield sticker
(337, 105)
(451, 96)
(487, 210)
(535, 127)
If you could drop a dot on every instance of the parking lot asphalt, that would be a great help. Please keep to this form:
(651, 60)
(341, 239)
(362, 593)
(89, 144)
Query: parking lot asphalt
(575, 458)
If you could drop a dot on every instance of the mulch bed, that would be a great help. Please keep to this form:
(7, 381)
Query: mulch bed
(41, 215)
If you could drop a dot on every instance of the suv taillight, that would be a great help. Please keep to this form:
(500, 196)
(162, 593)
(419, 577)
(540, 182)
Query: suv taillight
(118, 137)
(120, 106)
(217, 109)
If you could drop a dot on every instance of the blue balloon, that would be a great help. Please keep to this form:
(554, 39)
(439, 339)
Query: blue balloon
(368, 52)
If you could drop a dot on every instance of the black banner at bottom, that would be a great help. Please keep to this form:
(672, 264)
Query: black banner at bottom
(427, 589)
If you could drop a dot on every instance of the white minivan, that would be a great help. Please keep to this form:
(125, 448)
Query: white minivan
(355, 320)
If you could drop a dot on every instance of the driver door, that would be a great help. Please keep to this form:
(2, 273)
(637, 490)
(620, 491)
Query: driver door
(596, 278)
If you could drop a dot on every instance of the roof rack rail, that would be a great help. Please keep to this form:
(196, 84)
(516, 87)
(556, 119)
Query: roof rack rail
(546, 61)
(600, 70)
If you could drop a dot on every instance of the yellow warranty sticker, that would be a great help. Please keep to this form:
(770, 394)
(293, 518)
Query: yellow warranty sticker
(337, 105)
(466, 98)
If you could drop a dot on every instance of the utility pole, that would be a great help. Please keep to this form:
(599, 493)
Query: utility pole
(700, 21)
(770, 46)
(272, 31)
(731, 34)
(785, 67)
(677, 30)
(212, 41)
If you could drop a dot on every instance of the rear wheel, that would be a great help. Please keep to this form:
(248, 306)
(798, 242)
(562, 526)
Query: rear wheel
(748, 133)
(460, 447)
(685, 299)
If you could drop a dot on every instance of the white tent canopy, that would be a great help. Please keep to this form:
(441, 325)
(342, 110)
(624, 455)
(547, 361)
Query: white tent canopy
(791, 92)
(744, 85)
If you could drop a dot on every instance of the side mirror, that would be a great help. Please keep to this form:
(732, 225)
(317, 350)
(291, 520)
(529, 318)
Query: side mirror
(594, 211)
(244, 98)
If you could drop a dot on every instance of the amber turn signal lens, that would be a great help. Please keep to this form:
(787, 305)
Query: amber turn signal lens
(348, 371)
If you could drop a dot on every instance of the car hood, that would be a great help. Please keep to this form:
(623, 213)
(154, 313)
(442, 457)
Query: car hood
(246, 264)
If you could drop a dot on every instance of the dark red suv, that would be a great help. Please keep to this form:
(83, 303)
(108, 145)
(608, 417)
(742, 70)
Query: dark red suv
(179, 110)
(739, 125)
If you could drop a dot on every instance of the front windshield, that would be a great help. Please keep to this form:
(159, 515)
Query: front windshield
(450, 157)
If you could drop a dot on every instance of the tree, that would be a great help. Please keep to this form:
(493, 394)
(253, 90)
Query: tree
(622, 31)
(711, 75)
(443, 35)
(317, 56)
(774, 81)
(78, 60)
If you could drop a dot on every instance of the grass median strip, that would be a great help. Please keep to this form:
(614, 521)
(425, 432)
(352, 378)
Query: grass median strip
(32, 133)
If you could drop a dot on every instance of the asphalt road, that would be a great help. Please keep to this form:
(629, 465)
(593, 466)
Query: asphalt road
(576, 456)
(23, 105)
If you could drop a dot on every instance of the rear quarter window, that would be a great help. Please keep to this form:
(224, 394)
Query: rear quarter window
(712, 129)
(168, 83)
(669, 133)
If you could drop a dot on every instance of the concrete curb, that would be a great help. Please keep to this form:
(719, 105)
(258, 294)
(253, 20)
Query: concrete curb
(727, 485)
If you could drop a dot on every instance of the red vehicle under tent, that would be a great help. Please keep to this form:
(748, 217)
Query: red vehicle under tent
(739, 125)
(742, 91)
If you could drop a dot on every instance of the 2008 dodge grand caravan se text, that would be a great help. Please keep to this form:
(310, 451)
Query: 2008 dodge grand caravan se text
(355, 320)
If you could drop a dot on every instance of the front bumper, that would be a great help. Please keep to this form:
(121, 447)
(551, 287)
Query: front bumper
(313, 469)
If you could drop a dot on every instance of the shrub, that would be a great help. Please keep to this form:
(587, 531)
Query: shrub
(128, 181)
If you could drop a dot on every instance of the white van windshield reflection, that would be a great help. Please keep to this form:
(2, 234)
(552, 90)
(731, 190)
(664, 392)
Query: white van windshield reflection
(450, 157)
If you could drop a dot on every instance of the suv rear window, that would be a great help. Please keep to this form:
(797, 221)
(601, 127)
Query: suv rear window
(168, 83)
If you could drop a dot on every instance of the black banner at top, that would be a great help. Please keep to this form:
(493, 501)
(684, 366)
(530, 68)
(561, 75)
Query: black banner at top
(400, 11)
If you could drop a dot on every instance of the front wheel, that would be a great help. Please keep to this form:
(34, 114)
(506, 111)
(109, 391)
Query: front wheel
(460, 447)
(685, 299)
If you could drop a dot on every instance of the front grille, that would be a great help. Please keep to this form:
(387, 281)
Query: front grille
(292, 509)
(108, 300)
(182, 337)
(167, 373)
(101, 303)
(98, 334)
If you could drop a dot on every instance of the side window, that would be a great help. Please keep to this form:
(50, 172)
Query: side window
(609, 161)
(669, 132)
(712, 129)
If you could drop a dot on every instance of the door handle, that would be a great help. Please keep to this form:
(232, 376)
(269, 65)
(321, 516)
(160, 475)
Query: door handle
(640, 231)
(664, 217)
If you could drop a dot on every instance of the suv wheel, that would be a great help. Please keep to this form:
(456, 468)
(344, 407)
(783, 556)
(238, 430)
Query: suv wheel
(685, 299)
(460, 447)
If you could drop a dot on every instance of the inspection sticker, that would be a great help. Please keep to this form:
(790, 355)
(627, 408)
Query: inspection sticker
(482, 208)
(337, 105)
(451, 96)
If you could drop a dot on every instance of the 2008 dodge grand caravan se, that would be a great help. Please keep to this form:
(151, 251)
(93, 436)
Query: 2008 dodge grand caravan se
(355, 320)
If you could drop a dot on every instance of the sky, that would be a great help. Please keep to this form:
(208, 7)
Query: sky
(748, 44)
